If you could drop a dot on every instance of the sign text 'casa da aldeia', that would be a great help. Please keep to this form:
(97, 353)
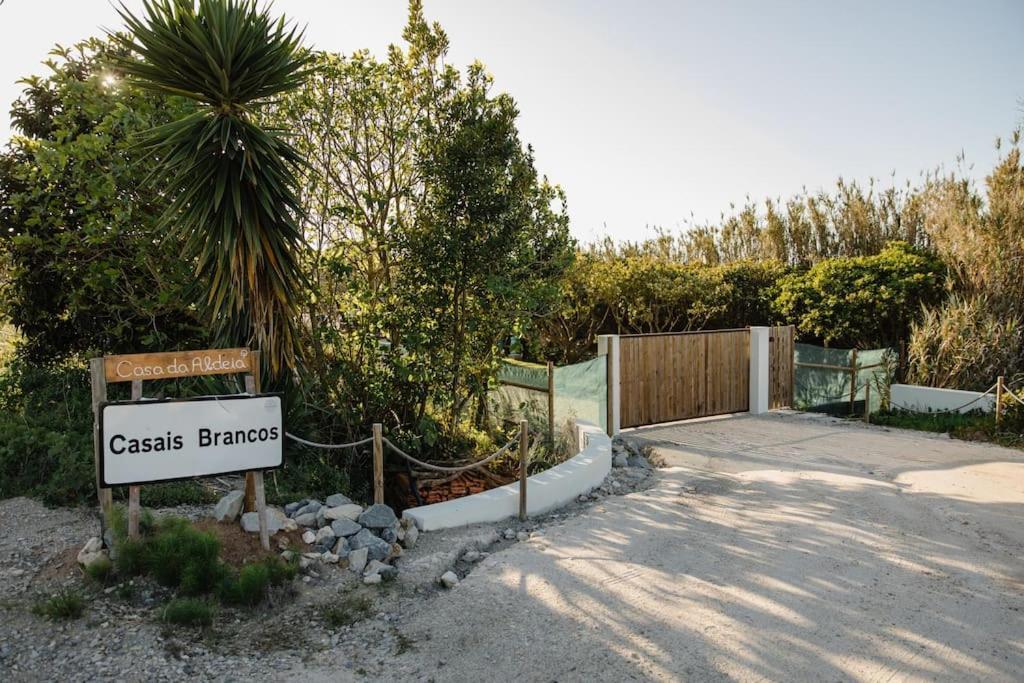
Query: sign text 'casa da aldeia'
(150, 366)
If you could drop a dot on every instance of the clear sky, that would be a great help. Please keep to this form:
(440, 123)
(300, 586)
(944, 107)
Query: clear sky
(650, 111)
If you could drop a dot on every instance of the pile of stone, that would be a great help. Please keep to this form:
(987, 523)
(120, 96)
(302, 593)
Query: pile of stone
(631, 471)
(337, 531)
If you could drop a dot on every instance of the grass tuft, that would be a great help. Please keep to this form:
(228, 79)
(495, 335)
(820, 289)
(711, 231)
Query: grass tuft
(100, 570)
(351, 609)
(187, 612)
(67, 604)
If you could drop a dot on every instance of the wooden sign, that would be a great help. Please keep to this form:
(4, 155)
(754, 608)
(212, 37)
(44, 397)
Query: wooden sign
(170, 365)
(151, 441)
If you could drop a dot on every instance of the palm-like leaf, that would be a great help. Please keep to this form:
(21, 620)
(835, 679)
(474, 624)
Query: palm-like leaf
(235, 202)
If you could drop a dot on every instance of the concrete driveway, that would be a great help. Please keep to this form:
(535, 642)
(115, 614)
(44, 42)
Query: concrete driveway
(781, 547)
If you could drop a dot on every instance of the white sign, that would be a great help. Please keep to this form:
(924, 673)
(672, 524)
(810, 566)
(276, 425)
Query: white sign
(150, 441)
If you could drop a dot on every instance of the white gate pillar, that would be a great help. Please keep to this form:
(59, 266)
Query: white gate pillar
(608, 346)
(759, 378)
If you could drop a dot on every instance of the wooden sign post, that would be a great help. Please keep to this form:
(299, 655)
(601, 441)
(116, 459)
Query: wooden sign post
(138, 368)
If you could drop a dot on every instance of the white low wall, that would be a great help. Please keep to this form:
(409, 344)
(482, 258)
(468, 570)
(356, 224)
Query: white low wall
(930, 399)
(546, 491)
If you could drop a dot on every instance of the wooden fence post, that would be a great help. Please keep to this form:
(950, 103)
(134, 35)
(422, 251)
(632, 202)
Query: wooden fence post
(378, 463)
(255, 494)
(867, 403)
(853, 379)
(133, 491)
(999, 399)
(252, 386)
(524, 458)
(99, 396)
(551, 405)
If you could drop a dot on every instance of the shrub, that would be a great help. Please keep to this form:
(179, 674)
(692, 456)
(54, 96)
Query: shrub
(350, 609)
(248, 588)
(964, 344)
(180, 555)
(187, 612)
(100, 570)
(67, 604)
(176, 554)
(131, 557)
(864, 301)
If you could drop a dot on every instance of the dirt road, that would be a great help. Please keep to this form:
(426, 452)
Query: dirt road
(779, 547)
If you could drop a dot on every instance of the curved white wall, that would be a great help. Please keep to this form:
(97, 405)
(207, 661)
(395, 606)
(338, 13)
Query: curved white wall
(546, 491)
(932, 399)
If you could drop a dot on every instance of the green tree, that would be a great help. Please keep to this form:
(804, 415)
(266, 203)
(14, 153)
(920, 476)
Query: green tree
(432, 236)
(85, 269)
(233, 183)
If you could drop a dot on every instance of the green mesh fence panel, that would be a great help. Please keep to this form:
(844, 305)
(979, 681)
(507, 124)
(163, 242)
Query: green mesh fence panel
(828, 389)
(580, 393)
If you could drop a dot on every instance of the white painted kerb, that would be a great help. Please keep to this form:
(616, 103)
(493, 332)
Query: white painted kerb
(546, 491)
(931, 399)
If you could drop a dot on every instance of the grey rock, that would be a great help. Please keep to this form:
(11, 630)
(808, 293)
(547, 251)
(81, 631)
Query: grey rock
(509, 534)
(449, 579)
(341, 548)
(321, 517)
(386, 571)
(378, 516)
(377, 548)
(229, 507)
(472, 556)
(306, 519)
(325, 534)
(275, 520)
(389, 535)
(348, 511)
(336, 500)
(411, 534)
(309, 537)
(357, 559)
(345, 527)
(620, 460)
(291, 508)
(310, 506)
(92, 552)
(372, 579)
(639, 461)
(522, 536)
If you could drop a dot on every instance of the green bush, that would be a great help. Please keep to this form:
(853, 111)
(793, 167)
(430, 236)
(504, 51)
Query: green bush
(187, 612)
(46, 433)
(67, 604)
(864, 301)
(248, 588)
(176, 554)
(100, 570)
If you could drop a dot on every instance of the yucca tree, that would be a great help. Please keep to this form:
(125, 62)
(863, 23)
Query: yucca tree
(233, 182)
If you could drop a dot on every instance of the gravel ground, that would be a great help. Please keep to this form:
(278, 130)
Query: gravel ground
(119, 637)
(777, 547)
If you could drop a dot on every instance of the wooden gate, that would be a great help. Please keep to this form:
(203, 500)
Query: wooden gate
(666, 377)
(780, 366)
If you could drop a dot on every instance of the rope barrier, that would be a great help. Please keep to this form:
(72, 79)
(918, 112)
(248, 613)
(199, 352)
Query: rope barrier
(329, 446)
(439, 468)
